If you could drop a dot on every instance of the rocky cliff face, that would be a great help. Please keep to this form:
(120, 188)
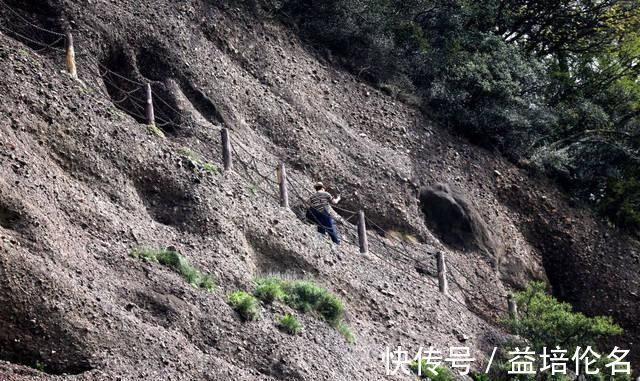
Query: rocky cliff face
(82, 181)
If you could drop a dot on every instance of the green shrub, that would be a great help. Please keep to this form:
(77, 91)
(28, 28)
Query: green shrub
(621, 203)
(605, 373)
(424, 371)
(245, 304)
(307, 297)
(269, 290)
(303, 295)
(544, 321)
(170, 258)
(290, 324)
(178, 263)
(331, 308)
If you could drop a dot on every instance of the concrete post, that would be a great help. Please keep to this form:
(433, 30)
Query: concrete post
(362, 233)
(282, 180)
(226, 150)
(150, 114)
(442, 273)
(70, 56)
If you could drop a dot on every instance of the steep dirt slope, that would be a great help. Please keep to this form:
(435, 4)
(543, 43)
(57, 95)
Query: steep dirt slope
(82, 182)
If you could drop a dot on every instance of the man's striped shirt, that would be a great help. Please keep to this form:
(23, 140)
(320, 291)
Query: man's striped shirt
(320, 201)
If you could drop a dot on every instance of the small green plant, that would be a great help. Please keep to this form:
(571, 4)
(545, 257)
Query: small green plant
(208, 283)
(269, 290)
(210, 167)
(479, 376)
(188, 153)
(245, 304)
(154, 130)
(198, 161)
(307, 297)
(178, 263)
(544, 321)
(40, 366)
(290, 324)
(424, 371)
(345, 331)
(144, 253)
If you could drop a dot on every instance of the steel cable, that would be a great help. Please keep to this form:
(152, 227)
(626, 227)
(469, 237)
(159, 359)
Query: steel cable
(24, 19)
(156, 96)
(42, 46)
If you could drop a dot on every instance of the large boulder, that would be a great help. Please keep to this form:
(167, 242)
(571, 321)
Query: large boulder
(456, 222)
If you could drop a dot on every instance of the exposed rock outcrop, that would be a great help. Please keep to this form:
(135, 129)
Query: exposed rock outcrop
(456, 221)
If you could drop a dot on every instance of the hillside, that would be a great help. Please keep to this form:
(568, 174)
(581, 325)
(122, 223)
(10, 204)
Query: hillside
(83, 182)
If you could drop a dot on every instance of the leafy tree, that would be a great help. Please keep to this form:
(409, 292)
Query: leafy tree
(538, 80)
(546, 322)
(543, 321)
(622, 202)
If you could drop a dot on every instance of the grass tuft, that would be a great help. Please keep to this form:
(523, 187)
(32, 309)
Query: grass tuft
(345, 331)
(210, 167)
(290, 324)
(269, 290)
(208, 283)
(154, 130)
(198, 161)
(423, 370)
(180, 264)
(188, 153)
(144, 253)
(307, 297)
(245, 304)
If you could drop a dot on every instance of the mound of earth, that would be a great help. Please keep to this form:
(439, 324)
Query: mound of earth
(83, 182)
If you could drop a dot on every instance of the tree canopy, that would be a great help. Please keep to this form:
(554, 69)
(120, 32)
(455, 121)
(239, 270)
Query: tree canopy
(546, 322)
(555, 82)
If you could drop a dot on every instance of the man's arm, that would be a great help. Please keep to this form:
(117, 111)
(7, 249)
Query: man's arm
(336, 216)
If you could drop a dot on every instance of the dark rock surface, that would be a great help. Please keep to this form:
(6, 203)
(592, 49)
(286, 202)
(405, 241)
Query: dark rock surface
(455, 220)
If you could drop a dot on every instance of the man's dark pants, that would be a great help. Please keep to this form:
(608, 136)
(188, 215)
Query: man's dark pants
(326, 224)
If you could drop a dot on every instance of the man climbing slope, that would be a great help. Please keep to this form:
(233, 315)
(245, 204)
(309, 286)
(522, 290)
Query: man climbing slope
(322, 214)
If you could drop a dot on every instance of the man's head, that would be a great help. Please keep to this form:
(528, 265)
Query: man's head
(319, 186)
